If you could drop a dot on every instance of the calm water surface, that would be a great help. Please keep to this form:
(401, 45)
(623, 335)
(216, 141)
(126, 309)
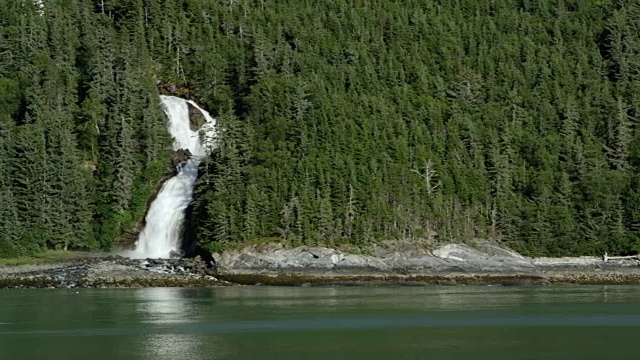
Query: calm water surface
(599, 322)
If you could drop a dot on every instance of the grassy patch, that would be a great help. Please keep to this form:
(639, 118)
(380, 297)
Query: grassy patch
(48, 257)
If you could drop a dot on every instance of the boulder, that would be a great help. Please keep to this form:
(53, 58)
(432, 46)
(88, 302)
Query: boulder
(180, 157)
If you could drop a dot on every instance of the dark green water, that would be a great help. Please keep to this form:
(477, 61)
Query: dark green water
(597, 322)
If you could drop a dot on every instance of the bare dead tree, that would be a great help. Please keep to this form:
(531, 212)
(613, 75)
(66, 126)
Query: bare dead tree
(429, 174)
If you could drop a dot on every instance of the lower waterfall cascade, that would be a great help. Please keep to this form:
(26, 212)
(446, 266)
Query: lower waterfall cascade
(162, 232)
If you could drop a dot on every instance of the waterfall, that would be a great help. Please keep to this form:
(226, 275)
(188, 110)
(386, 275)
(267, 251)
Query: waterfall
(162, 232)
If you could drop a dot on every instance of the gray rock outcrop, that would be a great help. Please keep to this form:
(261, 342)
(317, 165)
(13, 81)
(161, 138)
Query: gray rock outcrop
(484, 257)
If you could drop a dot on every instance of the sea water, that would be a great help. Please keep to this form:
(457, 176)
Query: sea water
(586, 322)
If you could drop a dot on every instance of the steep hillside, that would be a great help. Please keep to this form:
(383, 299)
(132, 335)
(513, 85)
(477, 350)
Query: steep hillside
(342, 122)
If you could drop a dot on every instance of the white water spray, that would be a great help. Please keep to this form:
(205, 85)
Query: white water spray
(162, 232)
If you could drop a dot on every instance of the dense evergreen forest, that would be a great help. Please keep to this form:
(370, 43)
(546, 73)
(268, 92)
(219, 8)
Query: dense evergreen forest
(340, 122)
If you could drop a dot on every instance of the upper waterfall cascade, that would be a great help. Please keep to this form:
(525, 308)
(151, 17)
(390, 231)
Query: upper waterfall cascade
(162, 232)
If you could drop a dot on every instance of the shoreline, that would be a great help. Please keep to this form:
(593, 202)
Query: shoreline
(429, 280)
(481, 263)
(42, 280)
(109, 272)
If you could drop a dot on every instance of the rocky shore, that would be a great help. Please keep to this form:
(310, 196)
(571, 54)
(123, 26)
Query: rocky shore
(478, 263)
(111, 271)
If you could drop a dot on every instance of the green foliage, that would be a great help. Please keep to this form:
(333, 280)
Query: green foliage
(374, 120)
(340, 122)
(81, 128)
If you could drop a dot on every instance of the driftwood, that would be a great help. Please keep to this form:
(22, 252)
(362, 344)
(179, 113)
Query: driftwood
(606, 257)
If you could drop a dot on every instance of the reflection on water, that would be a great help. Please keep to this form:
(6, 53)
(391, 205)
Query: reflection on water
(424, 298)
(162, 305)
(164, 308)
(251, 302)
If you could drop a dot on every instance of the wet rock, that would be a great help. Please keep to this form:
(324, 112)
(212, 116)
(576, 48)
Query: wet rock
(196, 119)
(180, 157)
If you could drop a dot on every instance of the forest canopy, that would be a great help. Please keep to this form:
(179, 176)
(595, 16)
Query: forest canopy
(340, 122)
